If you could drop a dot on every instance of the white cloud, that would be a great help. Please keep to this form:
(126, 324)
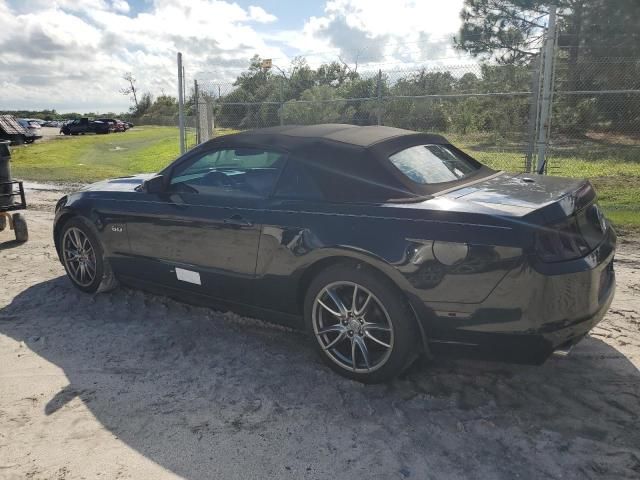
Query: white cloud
(260, 15)
(120, 6)
(409, 31)
(71, 55)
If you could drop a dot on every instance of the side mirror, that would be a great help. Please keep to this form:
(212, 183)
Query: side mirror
(153, 184)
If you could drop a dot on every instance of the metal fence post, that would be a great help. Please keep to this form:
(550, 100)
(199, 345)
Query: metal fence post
(281, 100)
(197, 111)
(180, 104)
(379, 95)
(211, 117)
(534, 110)
(545, 107)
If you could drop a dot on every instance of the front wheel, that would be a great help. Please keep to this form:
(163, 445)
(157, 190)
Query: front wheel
(83, 257)
(361, 323)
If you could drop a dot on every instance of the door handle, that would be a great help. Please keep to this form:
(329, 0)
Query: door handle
(238, 221)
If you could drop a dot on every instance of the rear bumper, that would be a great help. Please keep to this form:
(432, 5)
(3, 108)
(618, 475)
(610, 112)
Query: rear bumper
(531, 313)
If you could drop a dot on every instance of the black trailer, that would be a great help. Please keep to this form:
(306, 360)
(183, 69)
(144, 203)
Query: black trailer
(11, 130)
(11, 197)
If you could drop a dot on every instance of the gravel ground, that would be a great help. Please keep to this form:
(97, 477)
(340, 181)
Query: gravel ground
(130, 385)
(49, 132)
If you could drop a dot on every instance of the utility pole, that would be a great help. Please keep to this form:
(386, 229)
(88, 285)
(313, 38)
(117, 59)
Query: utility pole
(180, 104)
(545, 107)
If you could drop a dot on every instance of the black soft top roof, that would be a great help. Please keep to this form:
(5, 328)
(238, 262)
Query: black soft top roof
(351, 163)
(292, 136)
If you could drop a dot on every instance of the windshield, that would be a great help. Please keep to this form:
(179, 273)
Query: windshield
(428, 164)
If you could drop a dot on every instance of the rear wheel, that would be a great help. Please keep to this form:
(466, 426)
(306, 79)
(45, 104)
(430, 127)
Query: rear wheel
(361, 324)
(83, 257)
(20, 227)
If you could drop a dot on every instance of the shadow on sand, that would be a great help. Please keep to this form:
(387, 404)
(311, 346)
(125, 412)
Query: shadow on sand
(212, 395)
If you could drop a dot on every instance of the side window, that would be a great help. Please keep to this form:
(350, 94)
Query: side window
(233, 172)
(297, 182)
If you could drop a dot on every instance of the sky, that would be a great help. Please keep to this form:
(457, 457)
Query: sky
(70, 55)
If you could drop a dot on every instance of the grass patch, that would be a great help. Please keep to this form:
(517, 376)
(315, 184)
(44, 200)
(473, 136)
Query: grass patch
(88, 158)
(614, 169)
(619, 196)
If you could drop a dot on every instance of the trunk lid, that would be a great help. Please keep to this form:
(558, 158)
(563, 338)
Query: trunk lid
(551, 198)
(563, 213)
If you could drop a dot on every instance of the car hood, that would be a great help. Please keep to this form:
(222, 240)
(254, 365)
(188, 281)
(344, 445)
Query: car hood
(122, 184)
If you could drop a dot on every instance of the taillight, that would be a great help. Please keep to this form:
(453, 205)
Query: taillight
(563, 241)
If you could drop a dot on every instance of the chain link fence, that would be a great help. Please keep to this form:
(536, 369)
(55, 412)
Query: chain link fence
(484, 108)
(596, 112)
(491, 111)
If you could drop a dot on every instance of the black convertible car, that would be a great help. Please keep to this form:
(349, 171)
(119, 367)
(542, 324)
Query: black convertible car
(384, 243)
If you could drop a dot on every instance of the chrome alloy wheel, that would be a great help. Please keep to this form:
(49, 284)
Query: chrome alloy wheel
(352, 326)
(79, 256)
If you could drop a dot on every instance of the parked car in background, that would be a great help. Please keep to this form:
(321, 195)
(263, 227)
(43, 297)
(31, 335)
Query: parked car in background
(109, 121)
(382, 243)
(36, 122)
(80, 126)
(115, 125)
(29, 124)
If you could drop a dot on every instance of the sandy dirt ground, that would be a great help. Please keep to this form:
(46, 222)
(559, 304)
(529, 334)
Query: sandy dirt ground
(49, 132)
(133, 386)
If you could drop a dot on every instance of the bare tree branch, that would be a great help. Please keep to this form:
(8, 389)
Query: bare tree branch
(131, 89)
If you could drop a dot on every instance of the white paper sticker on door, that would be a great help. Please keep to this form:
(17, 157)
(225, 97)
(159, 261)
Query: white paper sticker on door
(188, 276)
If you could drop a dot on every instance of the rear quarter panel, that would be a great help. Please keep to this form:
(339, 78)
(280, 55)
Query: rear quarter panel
(394, 239)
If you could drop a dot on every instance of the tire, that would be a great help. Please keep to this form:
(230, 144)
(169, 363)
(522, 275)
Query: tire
(389, 352)
(3, 222)
(20, 227)
(100, 278)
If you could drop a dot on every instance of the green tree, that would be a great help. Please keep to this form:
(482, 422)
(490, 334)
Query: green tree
(254, 78)
(509, 31)
(318, 105)
(164, 105)
(335, 74)
(144, 104)
(594, 35)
